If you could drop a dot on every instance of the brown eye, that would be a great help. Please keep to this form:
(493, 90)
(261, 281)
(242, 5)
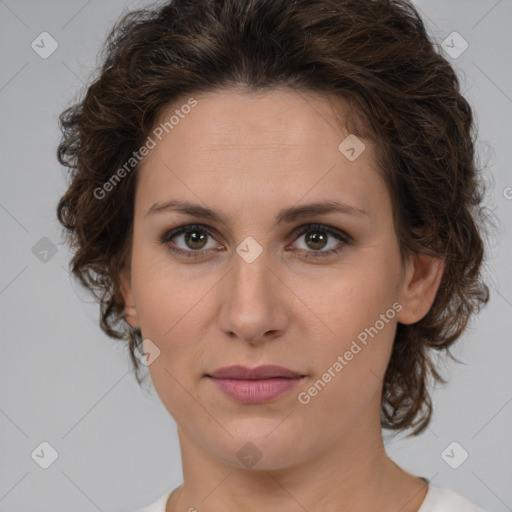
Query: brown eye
(317, 240)
(190, 241)
(318, 237)
(195, 239)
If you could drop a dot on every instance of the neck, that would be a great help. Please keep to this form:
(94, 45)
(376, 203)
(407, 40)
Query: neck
(354, 473)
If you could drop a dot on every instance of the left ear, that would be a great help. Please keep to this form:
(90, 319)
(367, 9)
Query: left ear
(419, 287)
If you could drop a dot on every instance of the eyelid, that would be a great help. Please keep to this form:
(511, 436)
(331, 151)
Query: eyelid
(304, 228)
(183, 228)
(299, 230)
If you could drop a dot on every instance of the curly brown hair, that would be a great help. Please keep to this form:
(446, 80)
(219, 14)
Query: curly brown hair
(403, 95)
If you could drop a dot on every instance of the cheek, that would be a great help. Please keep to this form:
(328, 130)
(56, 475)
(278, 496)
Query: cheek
(360, 311)
(173, 307)
(169, 315)
(163, 296)
(350, 372)
(167, 308)
(355, 297)
(361, 344)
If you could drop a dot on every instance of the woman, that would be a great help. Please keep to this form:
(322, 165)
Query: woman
(277, 205)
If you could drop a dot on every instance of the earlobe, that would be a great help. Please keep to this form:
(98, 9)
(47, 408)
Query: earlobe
(130, 312)
(419, 288)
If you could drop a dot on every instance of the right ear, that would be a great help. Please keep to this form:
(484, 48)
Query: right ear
(130, 311)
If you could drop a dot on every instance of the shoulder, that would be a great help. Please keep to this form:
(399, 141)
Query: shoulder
(436, 500)
(446, 500)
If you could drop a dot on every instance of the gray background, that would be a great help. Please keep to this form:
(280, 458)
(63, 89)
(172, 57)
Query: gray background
(64, 382)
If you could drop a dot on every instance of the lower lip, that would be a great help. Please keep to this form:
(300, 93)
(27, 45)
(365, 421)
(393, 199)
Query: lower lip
(255, 391)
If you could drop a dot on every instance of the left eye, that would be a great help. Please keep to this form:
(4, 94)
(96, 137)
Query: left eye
(317, 239)
(195, 238)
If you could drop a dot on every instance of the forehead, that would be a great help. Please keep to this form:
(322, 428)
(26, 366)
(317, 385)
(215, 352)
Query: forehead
(256, 148)
(238, 120)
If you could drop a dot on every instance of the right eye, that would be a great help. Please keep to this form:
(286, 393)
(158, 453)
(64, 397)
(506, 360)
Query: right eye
(193, 238)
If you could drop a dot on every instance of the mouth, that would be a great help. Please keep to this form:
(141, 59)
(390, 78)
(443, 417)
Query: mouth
(257, 385)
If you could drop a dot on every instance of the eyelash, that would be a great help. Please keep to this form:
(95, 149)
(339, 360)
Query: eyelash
(168, 236)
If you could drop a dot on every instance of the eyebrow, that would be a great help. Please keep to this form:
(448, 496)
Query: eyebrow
(285, 215)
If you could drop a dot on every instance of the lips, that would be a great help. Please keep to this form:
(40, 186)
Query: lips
(269, 371)
(257, 385)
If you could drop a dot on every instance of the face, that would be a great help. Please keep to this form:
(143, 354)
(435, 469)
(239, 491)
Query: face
(268, 280)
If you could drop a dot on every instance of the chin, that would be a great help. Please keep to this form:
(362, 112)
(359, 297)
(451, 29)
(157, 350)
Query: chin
(259, 444)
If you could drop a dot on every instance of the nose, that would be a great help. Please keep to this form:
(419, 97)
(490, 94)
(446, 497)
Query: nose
(254, 300)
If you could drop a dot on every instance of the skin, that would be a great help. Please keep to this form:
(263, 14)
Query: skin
(249, 156)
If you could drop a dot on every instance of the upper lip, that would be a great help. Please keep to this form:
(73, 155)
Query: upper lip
(267, 371)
